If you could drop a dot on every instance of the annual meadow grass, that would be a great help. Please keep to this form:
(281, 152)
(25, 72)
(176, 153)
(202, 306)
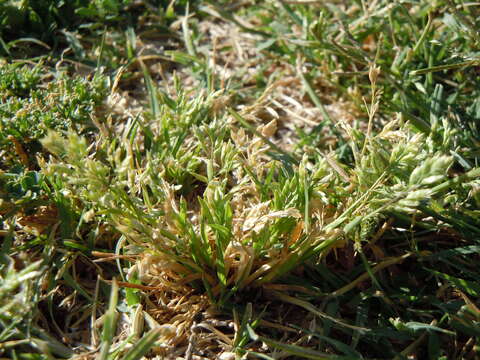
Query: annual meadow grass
(269, 179)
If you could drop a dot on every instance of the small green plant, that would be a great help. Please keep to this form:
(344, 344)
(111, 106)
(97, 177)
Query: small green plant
(28, 109)
(19, 296)
(243, 237)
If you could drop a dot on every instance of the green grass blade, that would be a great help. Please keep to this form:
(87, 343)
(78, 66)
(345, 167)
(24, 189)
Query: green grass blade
(142, 346)
(295, 350)
(471, 287)
(110, 324)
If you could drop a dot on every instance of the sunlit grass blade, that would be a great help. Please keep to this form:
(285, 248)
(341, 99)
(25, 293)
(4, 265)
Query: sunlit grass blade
(142, 346)
(110, 323)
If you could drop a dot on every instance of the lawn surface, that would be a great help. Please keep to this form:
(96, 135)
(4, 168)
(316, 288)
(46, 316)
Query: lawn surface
(239, 179)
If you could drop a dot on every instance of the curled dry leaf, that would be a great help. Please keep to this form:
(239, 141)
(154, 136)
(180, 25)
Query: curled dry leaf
(269, 129)
(239, 258)
(257, 224)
